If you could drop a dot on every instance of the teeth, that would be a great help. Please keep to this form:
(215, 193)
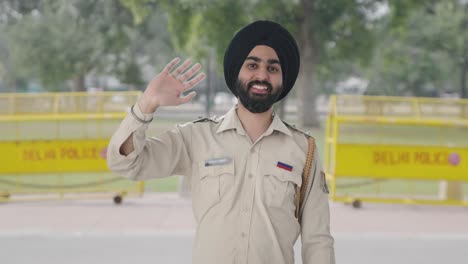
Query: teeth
(259, 87)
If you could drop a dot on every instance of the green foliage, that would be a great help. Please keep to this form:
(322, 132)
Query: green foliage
(55, 44)
(412, 47)
(65, 39)
(132, 75)
(197, 26)
(444, 29)
(342, 28)
(56, 41)
(424, 54)
(140, 9)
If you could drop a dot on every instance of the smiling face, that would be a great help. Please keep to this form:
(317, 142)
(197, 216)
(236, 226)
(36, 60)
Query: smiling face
(260, 80)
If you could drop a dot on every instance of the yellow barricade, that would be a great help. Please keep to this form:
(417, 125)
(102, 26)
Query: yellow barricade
(397, 150)
(53, 145)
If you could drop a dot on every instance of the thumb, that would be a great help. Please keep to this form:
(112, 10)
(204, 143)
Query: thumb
(187, 98)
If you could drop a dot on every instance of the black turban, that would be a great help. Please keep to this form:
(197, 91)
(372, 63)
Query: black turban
(262, 33)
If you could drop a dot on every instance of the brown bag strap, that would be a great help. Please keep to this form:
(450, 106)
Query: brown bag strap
(301, 192)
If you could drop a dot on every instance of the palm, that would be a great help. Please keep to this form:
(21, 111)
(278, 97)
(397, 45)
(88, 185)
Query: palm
(168, 86)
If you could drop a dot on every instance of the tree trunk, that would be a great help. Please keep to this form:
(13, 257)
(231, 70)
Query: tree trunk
(132, 87)
(463, 95)
(464, 65)
(463, 80)
(307, 111)
(280, 108)
(79, 83)
(209, 83)
(77, 103)
(14, 85)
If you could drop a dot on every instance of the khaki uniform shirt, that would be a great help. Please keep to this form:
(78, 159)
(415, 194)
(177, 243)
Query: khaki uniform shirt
(243, 192)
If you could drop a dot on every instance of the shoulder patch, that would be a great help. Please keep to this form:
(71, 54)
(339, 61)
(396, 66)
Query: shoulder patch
(215, 119)
(293, 127)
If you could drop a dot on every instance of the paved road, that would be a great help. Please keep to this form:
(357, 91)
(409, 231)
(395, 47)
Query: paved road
(159, 229)
(176, 248)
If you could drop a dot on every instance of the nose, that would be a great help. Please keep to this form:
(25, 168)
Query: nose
(262, 74)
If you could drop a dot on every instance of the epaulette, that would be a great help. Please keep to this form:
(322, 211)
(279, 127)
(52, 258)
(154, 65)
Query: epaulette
(215, 119)
(293, 127)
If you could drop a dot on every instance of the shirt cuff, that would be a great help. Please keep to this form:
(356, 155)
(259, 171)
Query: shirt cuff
(140, 114)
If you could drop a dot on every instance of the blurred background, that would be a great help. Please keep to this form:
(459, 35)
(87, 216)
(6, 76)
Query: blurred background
(402, 48)
(382, 88)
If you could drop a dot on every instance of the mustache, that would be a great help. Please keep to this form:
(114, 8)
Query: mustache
(256, 82)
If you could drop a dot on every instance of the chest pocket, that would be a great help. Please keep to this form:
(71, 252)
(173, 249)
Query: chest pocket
(215, 183)
(279, 185)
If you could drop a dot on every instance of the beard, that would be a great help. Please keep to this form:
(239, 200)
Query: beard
(257, 103)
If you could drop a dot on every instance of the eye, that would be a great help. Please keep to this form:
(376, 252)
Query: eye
(273, 69)
(252, 66)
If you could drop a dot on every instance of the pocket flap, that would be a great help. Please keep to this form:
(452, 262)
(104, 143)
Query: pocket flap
(283, 175)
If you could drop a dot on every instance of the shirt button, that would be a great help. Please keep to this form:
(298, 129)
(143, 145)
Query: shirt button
(243, 234)
(250, 175)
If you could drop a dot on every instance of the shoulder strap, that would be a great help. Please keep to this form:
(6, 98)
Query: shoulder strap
(214, 119)
(301, 192)
(293, 127)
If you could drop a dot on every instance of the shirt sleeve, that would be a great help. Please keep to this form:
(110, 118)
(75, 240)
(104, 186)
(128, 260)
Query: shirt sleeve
(152, 157)
(317, 242)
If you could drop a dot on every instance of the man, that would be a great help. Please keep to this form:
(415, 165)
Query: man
(244, 167)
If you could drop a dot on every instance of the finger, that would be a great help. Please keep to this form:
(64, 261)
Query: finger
(181, 68)
(187, 98)
(188, 74)
(171, 65)
(196, 80)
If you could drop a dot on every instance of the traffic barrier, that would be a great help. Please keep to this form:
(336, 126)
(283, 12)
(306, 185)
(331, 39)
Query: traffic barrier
(53, 146)
(397, 150)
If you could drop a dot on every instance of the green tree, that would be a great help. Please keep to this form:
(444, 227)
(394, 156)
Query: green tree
(425, 54)
(64, 40)
(7, 78)
(326, 31)
(444, 29)
(57, 41)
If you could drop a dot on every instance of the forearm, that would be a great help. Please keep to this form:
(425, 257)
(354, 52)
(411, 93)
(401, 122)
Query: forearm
(127, 147)
(134, 156)
(126, 144)
(131, 154)
(143, 111)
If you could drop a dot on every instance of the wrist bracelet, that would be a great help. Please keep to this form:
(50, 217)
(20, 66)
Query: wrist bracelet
(139, 119)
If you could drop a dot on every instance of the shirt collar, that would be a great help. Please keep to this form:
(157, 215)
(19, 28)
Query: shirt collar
(278, 125)
(231, 121)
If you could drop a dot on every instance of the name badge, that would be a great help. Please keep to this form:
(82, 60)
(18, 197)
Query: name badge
(217, 161)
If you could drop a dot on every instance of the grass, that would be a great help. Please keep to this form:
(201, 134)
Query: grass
(81, 182)
(70, 182)
(385, 187)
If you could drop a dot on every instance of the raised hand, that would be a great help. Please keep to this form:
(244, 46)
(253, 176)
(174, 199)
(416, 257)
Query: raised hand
(167, 87)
